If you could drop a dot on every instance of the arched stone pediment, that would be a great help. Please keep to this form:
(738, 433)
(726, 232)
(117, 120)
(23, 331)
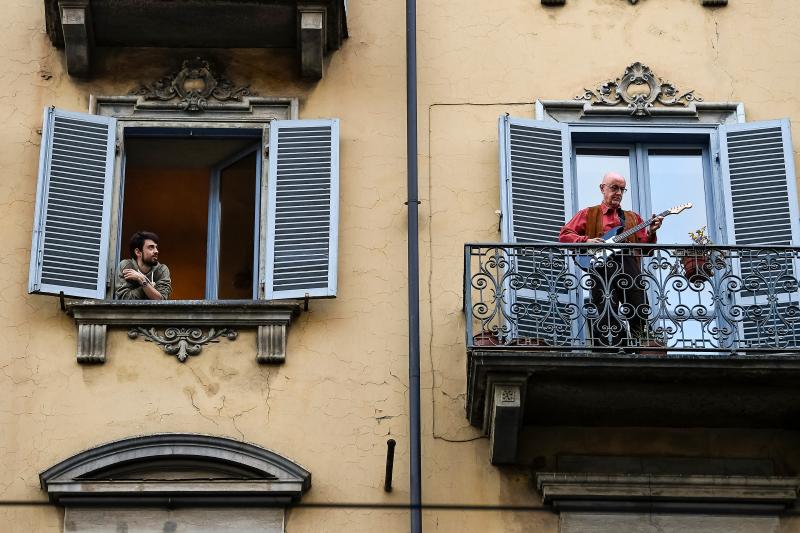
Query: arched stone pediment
(176, 469)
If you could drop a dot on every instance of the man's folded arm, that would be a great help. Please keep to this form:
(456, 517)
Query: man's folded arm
(164, 284)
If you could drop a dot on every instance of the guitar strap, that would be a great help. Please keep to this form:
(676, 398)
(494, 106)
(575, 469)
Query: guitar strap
(621, 218)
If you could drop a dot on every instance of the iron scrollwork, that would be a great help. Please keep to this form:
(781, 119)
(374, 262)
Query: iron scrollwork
(618, 91)
(182, 342)
(723, 299)
(192, 87)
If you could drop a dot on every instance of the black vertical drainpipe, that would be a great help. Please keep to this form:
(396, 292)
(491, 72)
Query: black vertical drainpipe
(413, 269)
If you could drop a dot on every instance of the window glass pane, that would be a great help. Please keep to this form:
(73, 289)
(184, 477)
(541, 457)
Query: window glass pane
(676, 177)
(237, 191)
(591, 164)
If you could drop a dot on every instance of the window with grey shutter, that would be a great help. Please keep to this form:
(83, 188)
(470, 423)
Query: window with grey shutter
(536, 200)
(761, 209)
(302, 209)
(69, 249)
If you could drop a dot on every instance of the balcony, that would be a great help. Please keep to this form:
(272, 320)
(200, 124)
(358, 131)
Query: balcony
(314, 29)
(644, 335)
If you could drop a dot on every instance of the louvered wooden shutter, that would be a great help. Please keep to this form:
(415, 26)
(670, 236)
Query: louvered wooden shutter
(536, 189)
(761, 209)
(758, 168)
(69, 250)
(536, 198)
(302, 208)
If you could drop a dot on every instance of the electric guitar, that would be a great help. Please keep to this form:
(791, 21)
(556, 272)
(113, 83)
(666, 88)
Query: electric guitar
(615, 235)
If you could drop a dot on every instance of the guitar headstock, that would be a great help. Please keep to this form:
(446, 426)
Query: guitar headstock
(678, 208)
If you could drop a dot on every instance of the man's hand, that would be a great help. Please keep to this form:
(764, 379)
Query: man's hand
(596, 240)
(656, 224)
(133, 275)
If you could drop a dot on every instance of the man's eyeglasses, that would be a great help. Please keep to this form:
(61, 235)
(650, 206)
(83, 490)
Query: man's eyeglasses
(616, 188)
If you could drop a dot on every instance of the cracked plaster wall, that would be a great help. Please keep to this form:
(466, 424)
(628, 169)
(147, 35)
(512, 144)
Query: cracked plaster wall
(479, 60)
(342, 392)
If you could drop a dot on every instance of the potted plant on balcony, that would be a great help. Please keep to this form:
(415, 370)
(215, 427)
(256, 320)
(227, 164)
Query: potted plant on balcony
(486, 338)
(650, 342)
(697, 263)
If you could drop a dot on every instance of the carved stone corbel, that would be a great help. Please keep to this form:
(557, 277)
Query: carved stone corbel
(311, 36)
(271, 344)
(76, 23)
(504, 417)
(92, 343)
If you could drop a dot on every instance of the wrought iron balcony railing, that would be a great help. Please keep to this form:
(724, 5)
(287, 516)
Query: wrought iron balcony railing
(669, 299)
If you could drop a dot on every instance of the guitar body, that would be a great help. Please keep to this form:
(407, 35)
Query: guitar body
(585, 261)
(619, 234)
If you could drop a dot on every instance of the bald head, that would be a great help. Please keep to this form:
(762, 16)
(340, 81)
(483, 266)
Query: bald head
(613, 177)
(613, 187)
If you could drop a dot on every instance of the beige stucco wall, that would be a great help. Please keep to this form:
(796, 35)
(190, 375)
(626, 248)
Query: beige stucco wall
(342, 391)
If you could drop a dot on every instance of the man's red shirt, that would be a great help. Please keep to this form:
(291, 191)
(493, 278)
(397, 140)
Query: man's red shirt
(575, 229)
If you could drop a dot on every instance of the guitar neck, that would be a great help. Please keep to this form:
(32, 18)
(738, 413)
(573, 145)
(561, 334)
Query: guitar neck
(627, 233)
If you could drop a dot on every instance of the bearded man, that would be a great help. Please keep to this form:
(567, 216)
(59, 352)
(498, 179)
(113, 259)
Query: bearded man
(142, 277)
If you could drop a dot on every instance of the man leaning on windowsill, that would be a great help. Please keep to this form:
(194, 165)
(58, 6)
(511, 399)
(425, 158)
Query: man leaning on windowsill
(142, 277)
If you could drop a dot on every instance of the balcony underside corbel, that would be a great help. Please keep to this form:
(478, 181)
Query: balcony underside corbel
(503, 416)
(315, 28)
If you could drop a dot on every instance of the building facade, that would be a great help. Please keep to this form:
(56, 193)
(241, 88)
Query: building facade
(265, 142)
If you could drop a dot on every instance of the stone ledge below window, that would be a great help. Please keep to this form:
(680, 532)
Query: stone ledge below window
(696, 493)
(182, 328)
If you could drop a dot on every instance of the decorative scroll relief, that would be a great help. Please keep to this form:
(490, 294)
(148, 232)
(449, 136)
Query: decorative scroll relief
(640, 90)
(191, 88)
(182, 342)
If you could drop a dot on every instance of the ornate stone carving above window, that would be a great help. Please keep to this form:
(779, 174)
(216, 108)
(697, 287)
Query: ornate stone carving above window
(639, 89)
(183, 328)
(198, 90)
(191, 88)
(639, 94)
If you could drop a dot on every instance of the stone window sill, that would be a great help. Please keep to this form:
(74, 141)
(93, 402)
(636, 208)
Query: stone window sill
(182, 328)
(662, 492)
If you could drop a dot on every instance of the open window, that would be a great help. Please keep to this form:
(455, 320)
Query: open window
(741, 180)
(202, 193)
(246, 212)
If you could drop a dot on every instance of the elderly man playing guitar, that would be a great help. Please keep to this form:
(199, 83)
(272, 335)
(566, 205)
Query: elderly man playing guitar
(616, 295)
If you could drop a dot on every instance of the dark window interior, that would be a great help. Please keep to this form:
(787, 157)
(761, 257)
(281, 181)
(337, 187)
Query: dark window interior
(167, 186)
